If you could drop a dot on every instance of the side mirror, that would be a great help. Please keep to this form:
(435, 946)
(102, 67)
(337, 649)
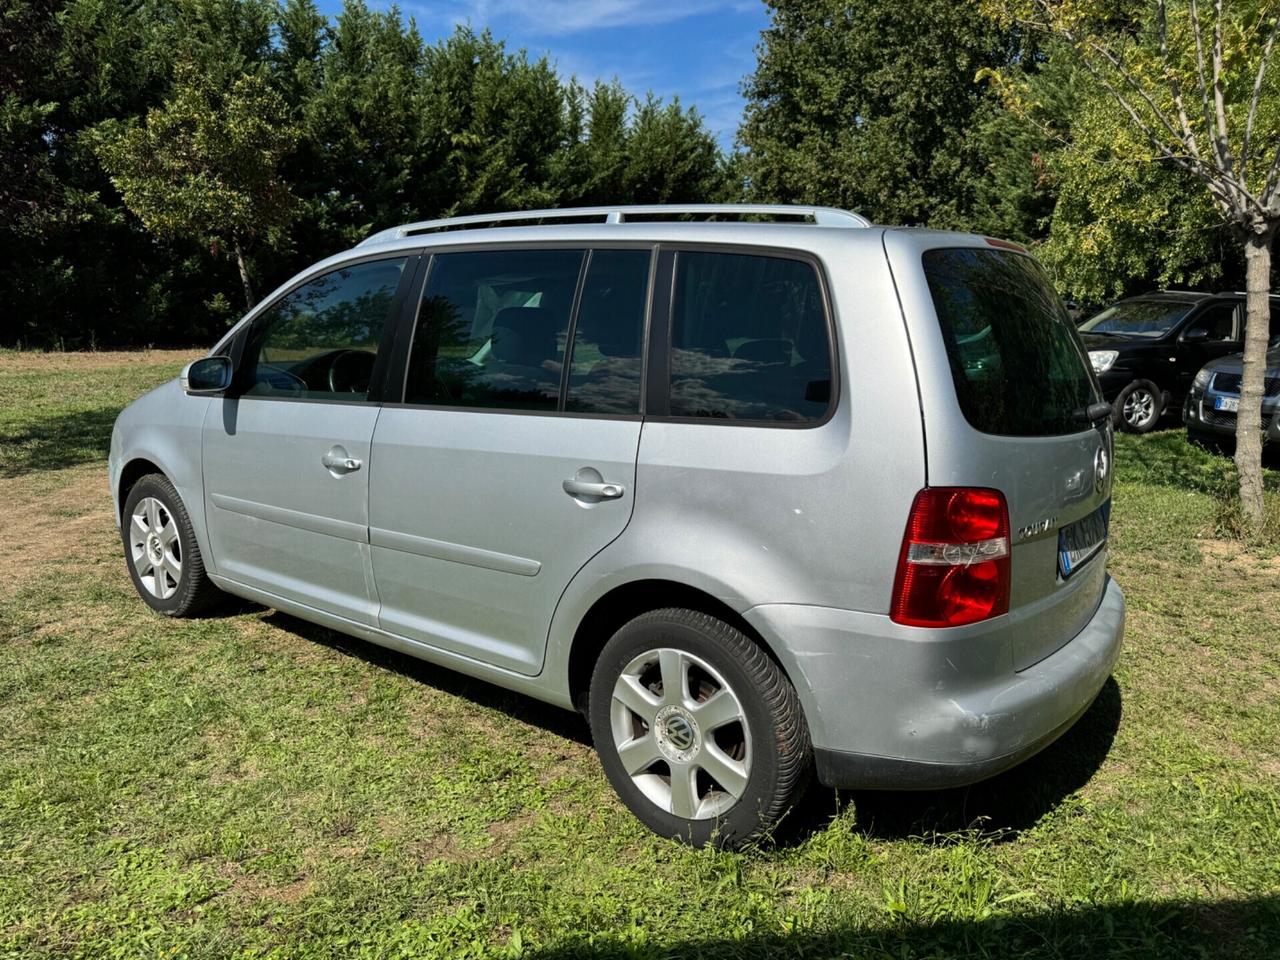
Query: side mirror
(206, 375)
(1195, 335)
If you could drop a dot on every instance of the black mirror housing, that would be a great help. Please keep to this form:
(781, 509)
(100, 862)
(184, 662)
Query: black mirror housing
(1195, 335)
(207, 375)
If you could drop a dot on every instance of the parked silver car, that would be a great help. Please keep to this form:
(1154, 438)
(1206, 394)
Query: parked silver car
(1214, 399)
(761, 499)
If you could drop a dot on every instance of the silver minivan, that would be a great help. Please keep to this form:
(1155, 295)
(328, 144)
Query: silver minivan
(767, 493)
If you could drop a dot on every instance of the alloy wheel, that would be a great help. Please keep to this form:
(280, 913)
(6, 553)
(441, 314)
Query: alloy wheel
(1139, 407)
(681, 733)
(155, 547)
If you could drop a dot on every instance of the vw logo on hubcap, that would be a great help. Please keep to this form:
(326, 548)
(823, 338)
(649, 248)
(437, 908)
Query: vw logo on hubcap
(676, 733)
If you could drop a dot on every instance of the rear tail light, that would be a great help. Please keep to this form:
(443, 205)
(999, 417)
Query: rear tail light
(954, 564)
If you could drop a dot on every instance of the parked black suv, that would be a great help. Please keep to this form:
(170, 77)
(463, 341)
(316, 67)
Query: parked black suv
(1146, 350)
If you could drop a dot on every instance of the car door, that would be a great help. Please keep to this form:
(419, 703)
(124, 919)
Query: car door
(286, 453)
(1213, 331)
(511, 461)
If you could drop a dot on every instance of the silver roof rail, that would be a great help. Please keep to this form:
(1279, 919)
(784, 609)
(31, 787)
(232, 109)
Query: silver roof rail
(822, 216)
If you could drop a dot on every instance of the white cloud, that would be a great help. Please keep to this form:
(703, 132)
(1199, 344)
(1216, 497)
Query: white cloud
(559, 17)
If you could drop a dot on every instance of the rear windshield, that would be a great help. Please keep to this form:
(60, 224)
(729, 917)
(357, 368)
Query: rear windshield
(1137, 318)
(1016, 360)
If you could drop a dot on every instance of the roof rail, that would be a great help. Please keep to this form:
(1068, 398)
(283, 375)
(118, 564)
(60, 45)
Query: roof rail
(822, 216)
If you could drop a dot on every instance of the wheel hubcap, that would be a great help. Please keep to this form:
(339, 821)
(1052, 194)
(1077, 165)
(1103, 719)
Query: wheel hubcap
(155, 548)
(1139, 407)
(681, 734)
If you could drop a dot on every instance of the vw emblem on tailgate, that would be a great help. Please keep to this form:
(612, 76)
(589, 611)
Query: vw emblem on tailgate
(1101, 468)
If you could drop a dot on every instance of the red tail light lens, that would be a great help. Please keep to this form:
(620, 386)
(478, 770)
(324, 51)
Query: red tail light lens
(954, 564)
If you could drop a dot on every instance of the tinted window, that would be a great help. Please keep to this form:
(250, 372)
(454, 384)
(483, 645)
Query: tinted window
(1015, 358)
(1218, 320)
(748, 339)
(608, 341)
(320, 340)
(491, 329)
(1137, 318)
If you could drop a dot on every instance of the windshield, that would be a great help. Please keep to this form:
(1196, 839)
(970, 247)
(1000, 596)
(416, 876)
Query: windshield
(1018, 365)
(1137, 318)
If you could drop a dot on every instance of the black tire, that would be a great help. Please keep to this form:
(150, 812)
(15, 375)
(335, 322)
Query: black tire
(192, 591)
(1139, 407)
(779, 752)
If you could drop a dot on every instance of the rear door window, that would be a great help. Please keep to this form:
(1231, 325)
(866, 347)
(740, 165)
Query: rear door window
(608, 342)
(492, 328)
(749, 339)
(1017, 363)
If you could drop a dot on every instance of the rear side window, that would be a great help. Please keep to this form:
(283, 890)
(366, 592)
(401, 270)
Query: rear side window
(1016, 360)
(748, 339)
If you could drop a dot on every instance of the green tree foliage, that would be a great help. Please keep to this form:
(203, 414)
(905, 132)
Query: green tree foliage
(205, 164)
(127, 177)
(873, 106)
(1190, 87)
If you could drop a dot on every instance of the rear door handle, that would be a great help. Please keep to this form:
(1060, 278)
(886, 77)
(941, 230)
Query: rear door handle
(340, 464)
(586, 488)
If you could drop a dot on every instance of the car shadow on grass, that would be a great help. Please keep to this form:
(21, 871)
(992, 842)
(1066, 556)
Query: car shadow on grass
(996, 809)
(1244, 929)
(563, 723)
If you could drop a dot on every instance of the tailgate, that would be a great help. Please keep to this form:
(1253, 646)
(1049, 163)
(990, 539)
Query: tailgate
(1004, 381)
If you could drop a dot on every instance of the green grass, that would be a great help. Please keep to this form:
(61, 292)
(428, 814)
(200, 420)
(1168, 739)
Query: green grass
(249, 785)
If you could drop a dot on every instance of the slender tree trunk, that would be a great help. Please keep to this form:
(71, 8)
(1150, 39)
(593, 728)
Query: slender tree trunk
(1257, 253)
(250, 298)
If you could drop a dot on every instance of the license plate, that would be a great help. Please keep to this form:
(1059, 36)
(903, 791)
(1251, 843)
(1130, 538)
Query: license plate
(1229, 404)
(1078, 542)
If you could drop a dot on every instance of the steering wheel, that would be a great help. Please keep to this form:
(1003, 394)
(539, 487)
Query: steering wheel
(350, 371)
(278, 379)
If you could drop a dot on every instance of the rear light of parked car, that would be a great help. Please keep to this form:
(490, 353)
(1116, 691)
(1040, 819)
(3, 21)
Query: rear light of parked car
(954, 564)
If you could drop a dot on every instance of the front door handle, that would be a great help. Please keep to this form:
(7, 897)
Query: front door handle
(588, 488)
(340, 462)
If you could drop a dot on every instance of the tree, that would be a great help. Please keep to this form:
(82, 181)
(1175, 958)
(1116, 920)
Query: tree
(1189, 85)
(873, 106)
(206, 164)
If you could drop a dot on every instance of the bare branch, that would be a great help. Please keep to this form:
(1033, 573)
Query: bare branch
(1198, 33)
(1226, 160)
(1175, 85)
(1257, 94)
(1270, 195)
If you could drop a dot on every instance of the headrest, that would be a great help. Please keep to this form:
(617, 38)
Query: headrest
(525, 335)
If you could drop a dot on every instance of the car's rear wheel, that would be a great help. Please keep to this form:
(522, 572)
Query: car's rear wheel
(699, 731)
(161, 551)
(1138, 407)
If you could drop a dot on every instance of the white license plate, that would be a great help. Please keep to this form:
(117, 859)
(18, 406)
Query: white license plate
(1229, 404)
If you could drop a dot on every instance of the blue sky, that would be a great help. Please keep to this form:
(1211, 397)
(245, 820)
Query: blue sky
(698, 49)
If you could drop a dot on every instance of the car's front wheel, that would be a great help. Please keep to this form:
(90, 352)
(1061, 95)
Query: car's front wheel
(698, 730)
(1138, 407)
(161, 551)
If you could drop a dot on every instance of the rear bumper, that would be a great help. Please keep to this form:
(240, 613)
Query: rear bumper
(888, 710)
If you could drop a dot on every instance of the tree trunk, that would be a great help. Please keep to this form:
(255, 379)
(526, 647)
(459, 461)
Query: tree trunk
(1257, 324)
(249, 297)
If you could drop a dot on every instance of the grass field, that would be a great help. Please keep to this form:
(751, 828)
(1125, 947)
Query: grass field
(249, 785)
